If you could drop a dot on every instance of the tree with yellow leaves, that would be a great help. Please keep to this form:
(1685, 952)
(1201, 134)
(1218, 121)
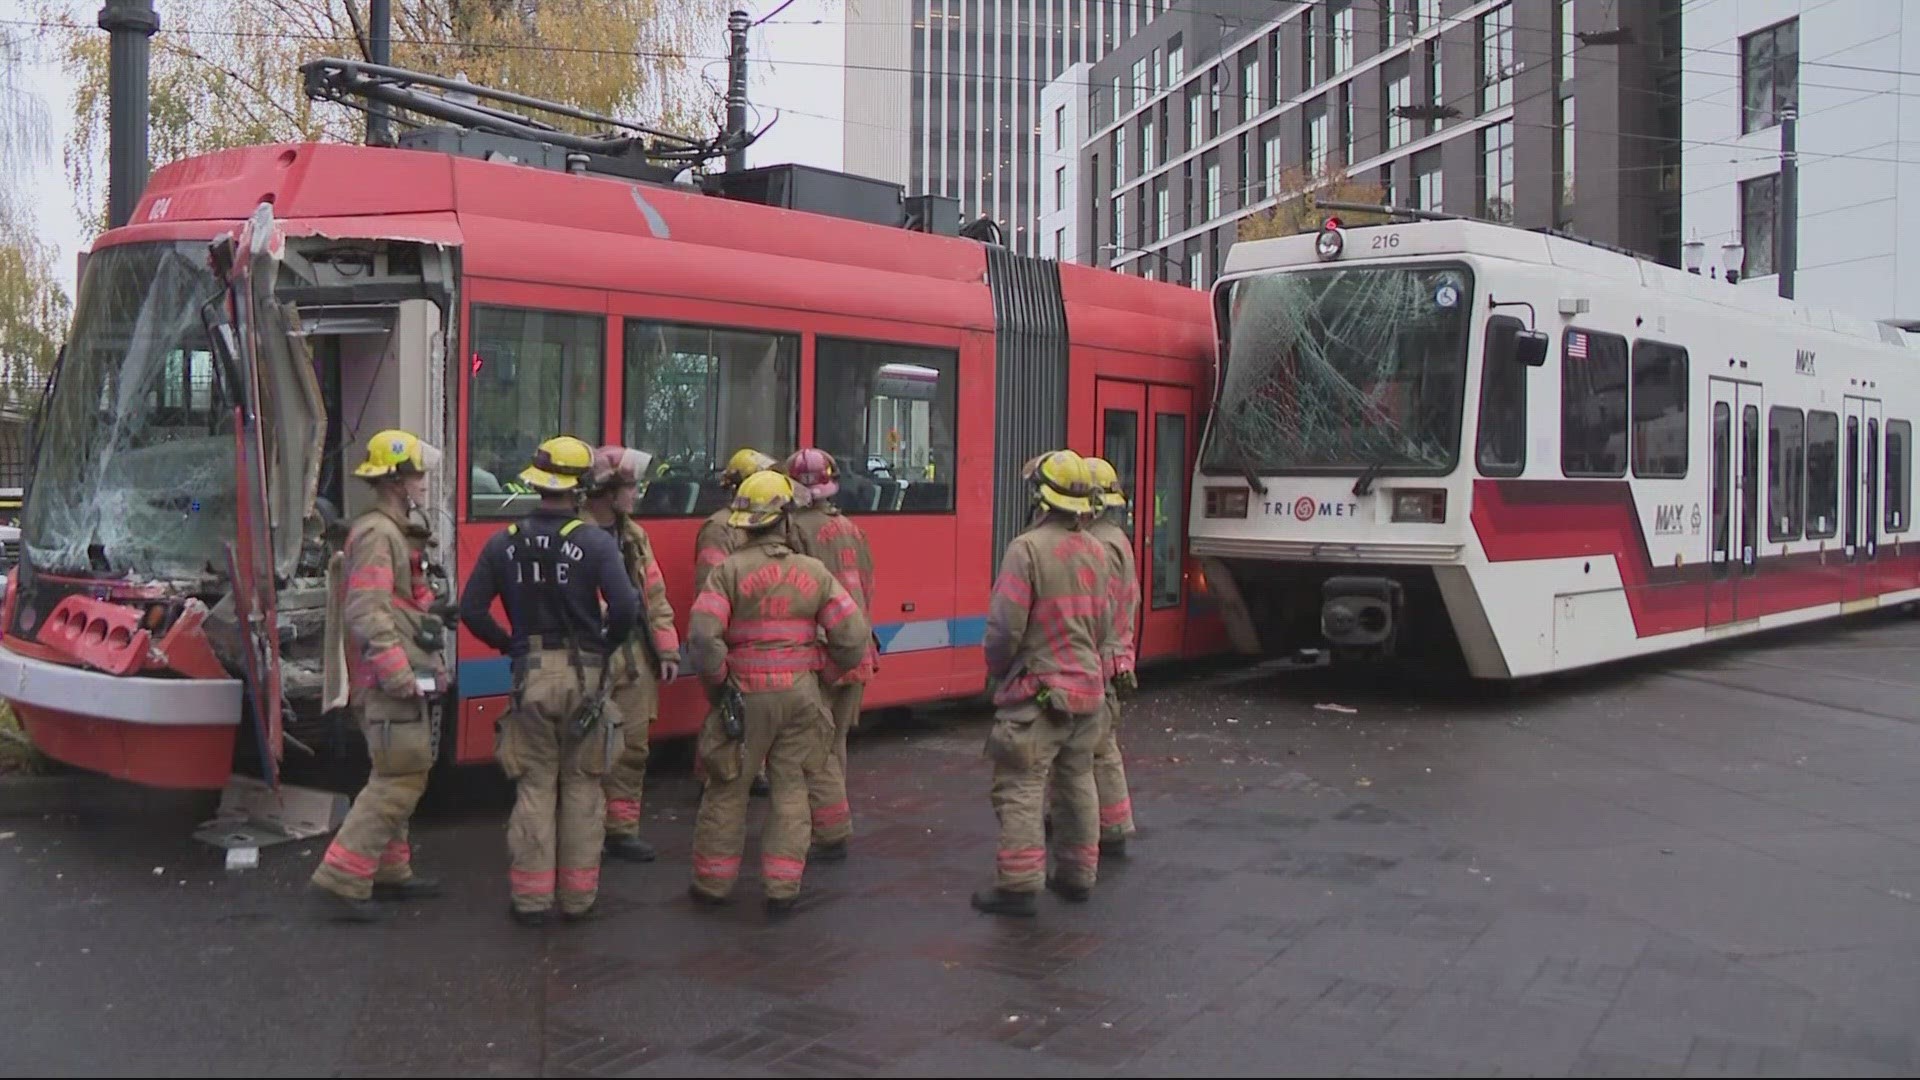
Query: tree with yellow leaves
(227, 72)
(1298, 210)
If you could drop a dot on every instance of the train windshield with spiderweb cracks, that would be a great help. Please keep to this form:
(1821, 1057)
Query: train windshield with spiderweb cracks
(1344, 370)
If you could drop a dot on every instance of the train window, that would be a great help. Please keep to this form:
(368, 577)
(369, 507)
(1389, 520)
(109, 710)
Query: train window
(1501, 447)
(1593, 404)
(1722, 474)
(1823, 475)
(694, 395)
(1786, 472)
(1899, 475)
(887, 413)
(533, 375)
(1659, 410)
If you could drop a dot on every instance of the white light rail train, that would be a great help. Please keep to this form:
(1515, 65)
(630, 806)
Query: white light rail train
(1529, 454)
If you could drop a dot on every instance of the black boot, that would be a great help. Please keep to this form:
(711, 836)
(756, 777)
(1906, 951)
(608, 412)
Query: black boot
(532, 920)
(629, 848)
(1079, 894)
(590, 913)
(704, 898)
(779, 908)
(827, 852)
(1017, 905)
(417, 887)
(346, 909)
(1113, 849)
(760, 788)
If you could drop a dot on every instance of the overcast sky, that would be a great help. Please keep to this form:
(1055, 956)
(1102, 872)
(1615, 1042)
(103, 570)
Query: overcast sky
(795, 63)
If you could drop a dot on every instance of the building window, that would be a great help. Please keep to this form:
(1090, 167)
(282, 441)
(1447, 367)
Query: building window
(1309, 34)
(1250, 88)
(1899, 475)
(1347, 156)
(1157, 71)
(1769, 75)
(1060, 188)
(1176, 62)
(1593, 404)
(1426, 179)
(536, 374)
(1270, 165)
(1119, 207)
(1786, 472)
(1147, 143)
(1213, 190)
(1399, 96)
(1496, 58)
(1432, 51)
(1659, 410)
(1389, 23)
(1759, 224)
(1823, 475)
(1163, 211)
(1341, 38)
(1496, 171)
(1139, 88)
(1117, 99)
(1060, 244)
(886, 413)
(1426, 15)
(695, 394)
(1060, 128)
(1120, 157)
(1386, 185)
(1195, 272)
(1213, 101)
(1564, 215)
(1316, 155)
(1194, 108)
(1275, 93)
(1568, 43)
(1165, 129)
(1501, 446)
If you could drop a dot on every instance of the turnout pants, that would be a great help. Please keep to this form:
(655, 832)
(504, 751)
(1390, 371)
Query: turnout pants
(558, 821)
(636, 692)
(789, 731)
(1110, 778)
(1029, 746)
(371, 845)
(827, 785)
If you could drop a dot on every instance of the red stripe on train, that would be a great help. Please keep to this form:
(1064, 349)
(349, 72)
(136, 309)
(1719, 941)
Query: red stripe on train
(1518, 520)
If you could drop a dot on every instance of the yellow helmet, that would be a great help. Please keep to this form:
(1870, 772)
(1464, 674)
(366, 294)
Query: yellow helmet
(558, 464)
(761, 500)
(745, 462)
(1061, 481)
(393, 452)
(1107, 479)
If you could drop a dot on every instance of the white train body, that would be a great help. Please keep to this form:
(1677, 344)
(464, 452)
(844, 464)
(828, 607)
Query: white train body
(1691, 460)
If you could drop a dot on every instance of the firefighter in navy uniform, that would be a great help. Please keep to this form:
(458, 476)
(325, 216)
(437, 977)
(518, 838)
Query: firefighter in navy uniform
(650, 658)
(390, 671)
(553, 571)
(757, 634)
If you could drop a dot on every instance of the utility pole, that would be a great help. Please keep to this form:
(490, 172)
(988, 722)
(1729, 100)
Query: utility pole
(130, 23)
(737, 91)
(380, 49)
(1789, 200)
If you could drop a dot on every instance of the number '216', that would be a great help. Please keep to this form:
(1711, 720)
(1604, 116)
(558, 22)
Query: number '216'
(1386, 240)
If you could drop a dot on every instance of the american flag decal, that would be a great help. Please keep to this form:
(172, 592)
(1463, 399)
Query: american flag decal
(1576, 345)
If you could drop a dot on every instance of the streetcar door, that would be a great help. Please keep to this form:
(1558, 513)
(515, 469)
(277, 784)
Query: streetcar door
(1733, 539)
(1145, 431)
(1860, 509)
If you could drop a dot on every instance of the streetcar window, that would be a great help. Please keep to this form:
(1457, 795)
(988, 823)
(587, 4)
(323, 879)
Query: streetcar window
(1593, 404)
(1659, 410)
(532, 375)
(1899, 475)
(1501, 447)
(886, 413)
(695, 394)
(1786, 472)
(1823, 474)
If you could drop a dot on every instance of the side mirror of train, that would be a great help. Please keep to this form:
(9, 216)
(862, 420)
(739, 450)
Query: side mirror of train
(1530, 348)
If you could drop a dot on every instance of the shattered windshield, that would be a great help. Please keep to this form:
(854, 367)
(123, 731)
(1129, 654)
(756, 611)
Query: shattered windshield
(1343, 370)
(136, 467)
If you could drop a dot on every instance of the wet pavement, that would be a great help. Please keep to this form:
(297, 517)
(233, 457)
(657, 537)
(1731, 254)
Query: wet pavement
(1707, 865)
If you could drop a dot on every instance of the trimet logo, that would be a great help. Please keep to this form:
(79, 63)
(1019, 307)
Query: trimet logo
(1306, 508)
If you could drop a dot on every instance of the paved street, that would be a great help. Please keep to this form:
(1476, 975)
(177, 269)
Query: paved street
(1706, 866)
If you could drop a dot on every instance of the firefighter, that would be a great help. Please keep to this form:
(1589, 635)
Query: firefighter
(818, 528)
(756, 636)
(1123, 600)
(1048, 629)
(650, 658)
(717, 539)
(553, 570)
(394, 670)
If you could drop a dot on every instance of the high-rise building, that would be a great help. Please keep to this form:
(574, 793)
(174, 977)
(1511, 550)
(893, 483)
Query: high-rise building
(1552, 114)
(943, 96)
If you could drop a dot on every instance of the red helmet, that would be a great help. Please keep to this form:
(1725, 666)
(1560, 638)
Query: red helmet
(815, 470)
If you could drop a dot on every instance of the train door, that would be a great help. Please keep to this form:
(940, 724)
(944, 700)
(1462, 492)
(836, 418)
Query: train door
(1860, 524)
(1733, 540)
(1145, 432)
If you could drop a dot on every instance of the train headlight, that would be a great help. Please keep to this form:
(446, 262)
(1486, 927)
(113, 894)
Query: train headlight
(1331, 241)
(1226, 502)
(1425, 505)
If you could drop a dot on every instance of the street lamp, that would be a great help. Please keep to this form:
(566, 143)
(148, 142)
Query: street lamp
(1733, 256)
(1693, 253)
(1161, 255)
